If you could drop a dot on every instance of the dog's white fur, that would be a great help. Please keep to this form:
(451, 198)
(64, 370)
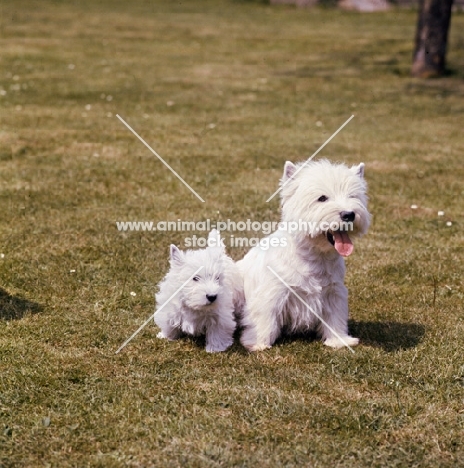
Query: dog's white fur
(190, 311)
(309, 263)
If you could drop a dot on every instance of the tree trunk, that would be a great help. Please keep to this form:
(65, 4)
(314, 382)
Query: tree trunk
(431, 38)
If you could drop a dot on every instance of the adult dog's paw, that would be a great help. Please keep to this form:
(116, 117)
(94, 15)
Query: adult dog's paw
(341, 342)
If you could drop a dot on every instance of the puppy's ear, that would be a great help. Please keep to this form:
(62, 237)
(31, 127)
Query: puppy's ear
(359, 170)
(214, 239)
(213, 234)
(289, 170)
(177, 257)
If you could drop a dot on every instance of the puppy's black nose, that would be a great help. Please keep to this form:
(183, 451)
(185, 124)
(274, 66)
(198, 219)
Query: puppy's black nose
(211, 298)
(347, 216)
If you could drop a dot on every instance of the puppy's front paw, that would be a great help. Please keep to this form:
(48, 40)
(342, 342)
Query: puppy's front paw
(341, 342)
(215, 349)
(219, 345)
(257, 347)
(161, 336)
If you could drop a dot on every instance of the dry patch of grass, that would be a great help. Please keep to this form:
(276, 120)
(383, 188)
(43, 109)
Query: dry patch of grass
(225, 92)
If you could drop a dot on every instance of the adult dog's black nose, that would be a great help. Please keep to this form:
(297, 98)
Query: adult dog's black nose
(347, 216)
(211, 298)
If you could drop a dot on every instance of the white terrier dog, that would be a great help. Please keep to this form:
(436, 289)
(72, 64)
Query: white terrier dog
(325, 198)
(207, 303)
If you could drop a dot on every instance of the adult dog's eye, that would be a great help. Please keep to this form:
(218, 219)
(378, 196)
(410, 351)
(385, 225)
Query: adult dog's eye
(196, 278)
(322, 198)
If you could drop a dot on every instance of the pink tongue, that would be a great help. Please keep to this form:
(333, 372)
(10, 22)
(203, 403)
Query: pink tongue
(343, 243)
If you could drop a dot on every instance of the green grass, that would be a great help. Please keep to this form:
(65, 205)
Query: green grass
(264, 76)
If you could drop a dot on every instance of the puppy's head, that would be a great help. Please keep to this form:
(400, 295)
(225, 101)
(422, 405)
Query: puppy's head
(201, 272)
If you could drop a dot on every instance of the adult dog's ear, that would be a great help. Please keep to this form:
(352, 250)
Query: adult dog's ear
(359, 170)
(289, 170)
(287, 187)
(177, 257)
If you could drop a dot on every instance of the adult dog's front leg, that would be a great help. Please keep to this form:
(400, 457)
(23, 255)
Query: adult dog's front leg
(335, 315)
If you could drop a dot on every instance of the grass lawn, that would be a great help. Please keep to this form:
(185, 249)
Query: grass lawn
(226, 91)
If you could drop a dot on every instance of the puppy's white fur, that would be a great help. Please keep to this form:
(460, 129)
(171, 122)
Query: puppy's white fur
(191, 311)
(310, 264)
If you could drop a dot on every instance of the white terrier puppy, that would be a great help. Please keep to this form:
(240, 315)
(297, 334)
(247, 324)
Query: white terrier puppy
(207, 303)
(330, 201)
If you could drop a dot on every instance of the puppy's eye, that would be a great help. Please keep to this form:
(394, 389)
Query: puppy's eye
(217, 278)
(322, 198)
(196, 278)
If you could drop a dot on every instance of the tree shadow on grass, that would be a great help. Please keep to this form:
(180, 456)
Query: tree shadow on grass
(390, 336)
(15, 308)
